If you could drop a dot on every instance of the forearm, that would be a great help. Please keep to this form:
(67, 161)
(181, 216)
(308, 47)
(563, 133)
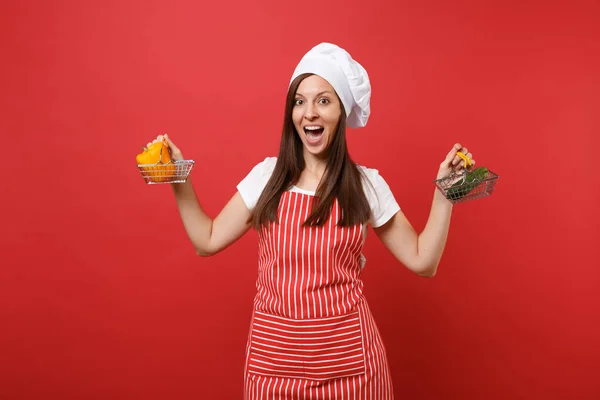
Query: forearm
(431, 242)
(197, 224)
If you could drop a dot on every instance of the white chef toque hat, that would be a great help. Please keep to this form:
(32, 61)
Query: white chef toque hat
(349, 79)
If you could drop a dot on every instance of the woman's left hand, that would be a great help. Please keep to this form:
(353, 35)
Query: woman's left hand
(453, 161)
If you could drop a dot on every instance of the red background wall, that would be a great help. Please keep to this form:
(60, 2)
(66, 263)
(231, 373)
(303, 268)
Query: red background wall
(101, 294)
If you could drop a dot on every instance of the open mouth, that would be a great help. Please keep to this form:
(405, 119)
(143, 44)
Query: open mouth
(313, 132)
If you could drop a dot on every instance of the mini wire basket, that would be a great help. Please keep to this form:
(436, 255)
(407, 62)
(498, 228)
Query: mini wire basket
(468, 184)
(171, 172)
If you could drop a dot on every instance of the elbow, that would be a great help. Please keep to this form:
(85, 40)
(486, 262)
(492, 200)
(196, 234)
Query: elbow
(209, 249)
(428, 271)
(204, 252)
(204, 248)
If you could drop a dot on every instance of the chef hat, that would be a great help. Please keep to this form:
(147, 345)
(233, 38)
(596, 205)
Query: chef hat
(348, 78)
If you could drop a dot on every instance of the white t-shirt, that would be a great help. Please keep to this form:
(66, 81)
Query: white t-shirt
(381, 199)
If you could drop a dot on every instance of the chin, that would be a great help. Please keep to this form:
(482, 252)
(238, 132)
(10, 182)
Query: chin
(320, 153)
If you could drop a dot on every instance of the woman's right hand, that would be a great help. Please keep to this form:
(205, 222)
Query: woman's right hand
(173, 149)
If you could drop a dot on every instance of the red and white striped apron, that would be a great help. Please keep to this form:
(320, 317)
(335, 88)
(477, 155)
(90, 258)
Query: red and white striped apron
(312, 334)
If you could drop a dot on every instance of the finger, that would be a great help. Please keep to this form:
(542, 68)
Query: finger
(460, 160)
(171, 144)
(457, 159)
(452, 152)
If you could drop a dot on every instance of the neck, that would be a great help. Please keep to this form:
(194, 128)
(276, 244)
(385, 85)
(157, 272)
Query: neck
(315, 165)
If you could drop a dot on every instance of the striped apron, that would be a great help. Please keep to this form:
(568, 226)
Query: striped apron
(312, 335)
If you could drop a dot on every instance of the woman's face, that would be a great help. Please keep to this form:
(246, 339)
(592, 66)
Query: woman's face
(316, 113)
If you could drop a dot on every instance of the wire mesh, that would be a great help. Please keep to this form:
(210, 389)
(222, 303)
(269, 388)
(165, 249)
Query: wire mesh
(467, 185)
(172, 172)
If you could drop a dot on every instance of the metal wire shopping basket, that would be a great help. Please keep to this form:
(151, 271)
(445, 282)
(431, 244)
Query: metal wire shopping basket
(468, 184)
(171, 172)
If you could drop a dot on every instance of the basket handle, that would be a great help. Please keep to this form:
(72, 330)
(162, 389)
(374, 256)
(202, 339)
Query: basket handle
(466, 159)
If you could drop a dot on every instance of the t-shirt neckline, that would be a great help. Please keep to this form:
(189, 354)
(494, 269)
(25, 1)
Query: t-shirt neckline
(303, 191)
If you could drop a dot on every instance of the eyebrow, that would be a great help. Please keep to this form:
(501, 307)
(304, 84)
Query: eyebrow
(318, 94)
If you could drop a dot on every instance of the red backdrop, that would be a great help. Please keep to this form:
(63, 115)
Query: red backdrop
(101, 294)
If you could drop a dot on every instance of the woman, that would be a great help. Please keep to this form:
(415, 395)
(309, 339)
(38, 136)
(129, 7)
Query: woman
(312, 334)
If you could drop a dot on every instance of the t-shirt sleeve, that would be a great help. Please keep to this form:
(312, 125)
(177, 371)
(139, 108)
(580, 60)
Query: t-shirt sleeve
(253, 184)
(381, 199)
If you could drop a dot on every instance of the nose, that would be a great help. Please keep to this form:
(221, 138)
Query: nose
(311, 112)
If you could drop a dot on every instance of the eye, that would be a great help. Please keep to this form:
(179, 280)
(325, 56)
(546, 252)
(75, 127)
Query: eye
(298, 102)
(323, 100)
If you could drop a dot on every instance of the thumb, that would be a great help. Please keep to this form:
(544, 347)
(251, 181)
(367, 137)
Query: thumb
(170, 143)
(452, 153)
(173, 148)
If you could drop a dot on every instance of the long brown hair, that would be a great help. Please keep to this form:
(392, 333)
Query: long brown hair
(341, 180)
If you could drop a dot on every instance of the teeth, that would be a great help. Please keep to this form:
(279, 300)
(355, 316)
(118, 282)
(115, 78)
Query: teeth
(313, 128)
